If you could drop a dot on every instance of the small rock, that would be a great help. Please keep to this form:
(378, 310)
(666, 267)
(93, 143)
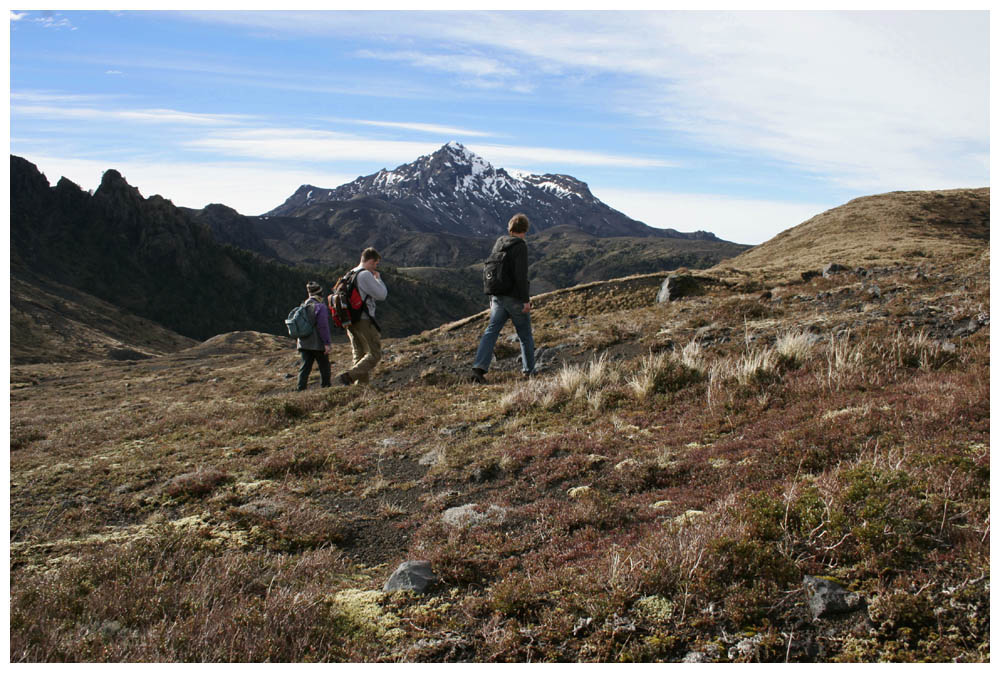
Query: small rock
(578, 492)
(110, 629)
(746, 647)
(826, 597)
(411, 576)
(467, 516)
(809, 275)
(695, 658)
(432, 457)
(833, 268)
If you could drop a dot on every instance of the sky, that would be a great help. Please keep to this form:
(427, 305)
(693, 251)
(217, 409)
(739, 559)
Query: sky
(740, 123)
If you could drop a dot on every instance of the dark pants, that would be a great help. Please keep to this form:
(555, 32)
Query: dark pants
(321, 358)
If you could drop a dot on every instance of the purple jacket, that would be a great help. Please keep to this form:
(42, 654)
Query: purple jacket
(320, 337)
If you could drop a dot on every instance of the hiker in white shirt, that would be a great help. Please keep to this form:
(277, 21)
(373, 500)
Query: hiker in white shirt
(364, 333)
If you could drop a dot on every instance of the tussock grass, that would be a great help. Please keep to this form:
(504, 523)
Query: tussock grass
(712, 466)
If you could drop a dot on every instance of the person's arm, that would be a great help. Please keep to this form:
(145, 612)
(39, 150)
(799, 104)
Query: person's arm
(372, 286)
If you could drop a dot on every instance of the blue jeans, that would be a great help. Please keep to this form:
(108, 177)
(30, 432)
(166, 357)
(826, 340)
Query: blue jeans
(502, 309)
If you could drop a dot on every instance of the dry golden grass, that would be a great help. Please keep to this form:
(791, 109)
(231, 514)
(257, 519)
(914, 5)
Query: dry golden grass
(943, 226)
(665, 486)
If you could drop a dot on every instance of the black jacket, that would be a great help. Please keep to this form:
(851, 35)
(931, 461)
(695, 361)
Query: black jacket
(517, 257)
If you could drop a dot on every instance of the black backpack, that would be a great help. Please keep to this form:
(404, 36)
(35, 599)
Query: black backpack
(346, 303)
(498, 278)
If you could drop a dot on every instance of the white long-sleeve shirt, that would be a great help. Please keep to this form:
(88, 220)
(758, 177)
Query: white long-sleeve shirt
(372, 289)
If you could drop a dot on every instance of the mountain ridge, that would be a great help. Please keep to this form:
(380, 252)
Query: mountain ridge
(460, 192)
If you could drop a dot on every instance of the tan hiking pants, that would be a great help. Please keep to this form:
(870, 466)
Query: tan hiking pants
(366, 343)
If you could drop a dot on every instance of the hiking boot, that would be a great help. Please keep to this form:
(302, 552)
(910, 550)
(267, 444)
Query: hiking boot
(345, 379)
(528, 375)
(478, 375)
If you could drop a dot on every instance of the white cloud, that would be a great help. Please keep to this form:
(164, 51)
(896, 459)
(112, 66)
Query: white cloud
(539, 157)
(871, 100)
(750, 221)
(449, 131)
(155, 116)
(316, 146)
(306, 145)
(250, 188)
(17, 16)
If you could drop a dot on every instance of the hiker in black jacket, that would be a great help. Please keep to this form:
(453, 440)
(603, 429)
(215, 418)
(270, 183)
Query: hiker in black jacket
(513, 303)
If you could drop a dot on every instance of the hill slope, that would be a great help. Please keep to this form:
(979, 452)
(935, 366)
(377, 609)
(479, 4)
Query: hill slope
(946, 226)
(682, 482)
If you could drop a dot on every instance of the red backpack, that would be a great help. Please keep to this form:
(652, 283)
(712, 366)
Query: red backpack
(346, 303)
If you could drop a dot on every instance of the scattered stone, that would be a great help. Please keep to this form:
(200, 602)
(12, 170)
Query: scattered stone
(677, 286)
(875, 292)
(110, 629)
(967, 327)
(688, 516)
(809, 275)
(467, 516)
(430, 458)
(661, 504)
(262, 509)
(627, 463)
(746, 647)
(696, 658)
(578, 492)
(826, 597)
(411, 576)
(833, 268)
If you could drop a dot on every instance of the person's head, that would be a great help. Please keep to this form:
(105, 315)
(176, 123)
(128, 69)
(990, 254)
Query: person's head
(370, 259)
(312, 287)
(518, 225)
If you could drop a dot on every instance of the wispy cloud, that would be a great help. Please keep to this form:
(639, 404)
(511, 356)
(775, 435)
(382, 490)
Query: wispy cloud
(47, 19)
(151, 116)
(874, 100)
(539, 157)
(306, 145)
(740, 220)
(255, 187)
(436, 129)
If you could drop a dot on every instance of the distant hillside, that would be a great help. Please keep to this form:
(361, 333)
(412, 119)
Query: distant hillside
(151, 259)
(882, 229)
(52, 322)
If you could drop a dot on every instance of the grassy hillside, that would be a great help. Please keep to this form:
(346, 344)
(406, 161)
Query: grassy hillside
(659, 493)
(51, 322)
(942, 226)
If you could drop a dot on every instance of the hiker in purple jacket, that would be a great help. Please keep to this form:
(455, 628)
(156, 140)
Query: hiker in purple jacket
(316, 346)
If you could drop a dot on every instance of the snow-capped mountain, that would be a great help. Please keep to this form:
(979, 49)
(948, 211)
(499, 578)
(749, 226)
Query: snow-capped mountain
(456, 191)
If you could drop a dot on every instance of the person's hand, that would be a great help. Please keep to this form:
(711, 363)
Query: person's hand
(326, 349)
(527, 307)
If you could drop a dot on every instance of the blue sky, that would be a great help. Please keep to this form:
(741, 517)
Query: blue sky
(739, 123)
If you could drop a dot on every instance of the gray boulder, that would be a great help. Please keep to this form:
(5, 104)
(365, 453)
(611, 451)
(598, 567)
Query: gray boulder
(827, 598)
(467, 516)
(411, 576)
(677, 286)
(833, 268)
